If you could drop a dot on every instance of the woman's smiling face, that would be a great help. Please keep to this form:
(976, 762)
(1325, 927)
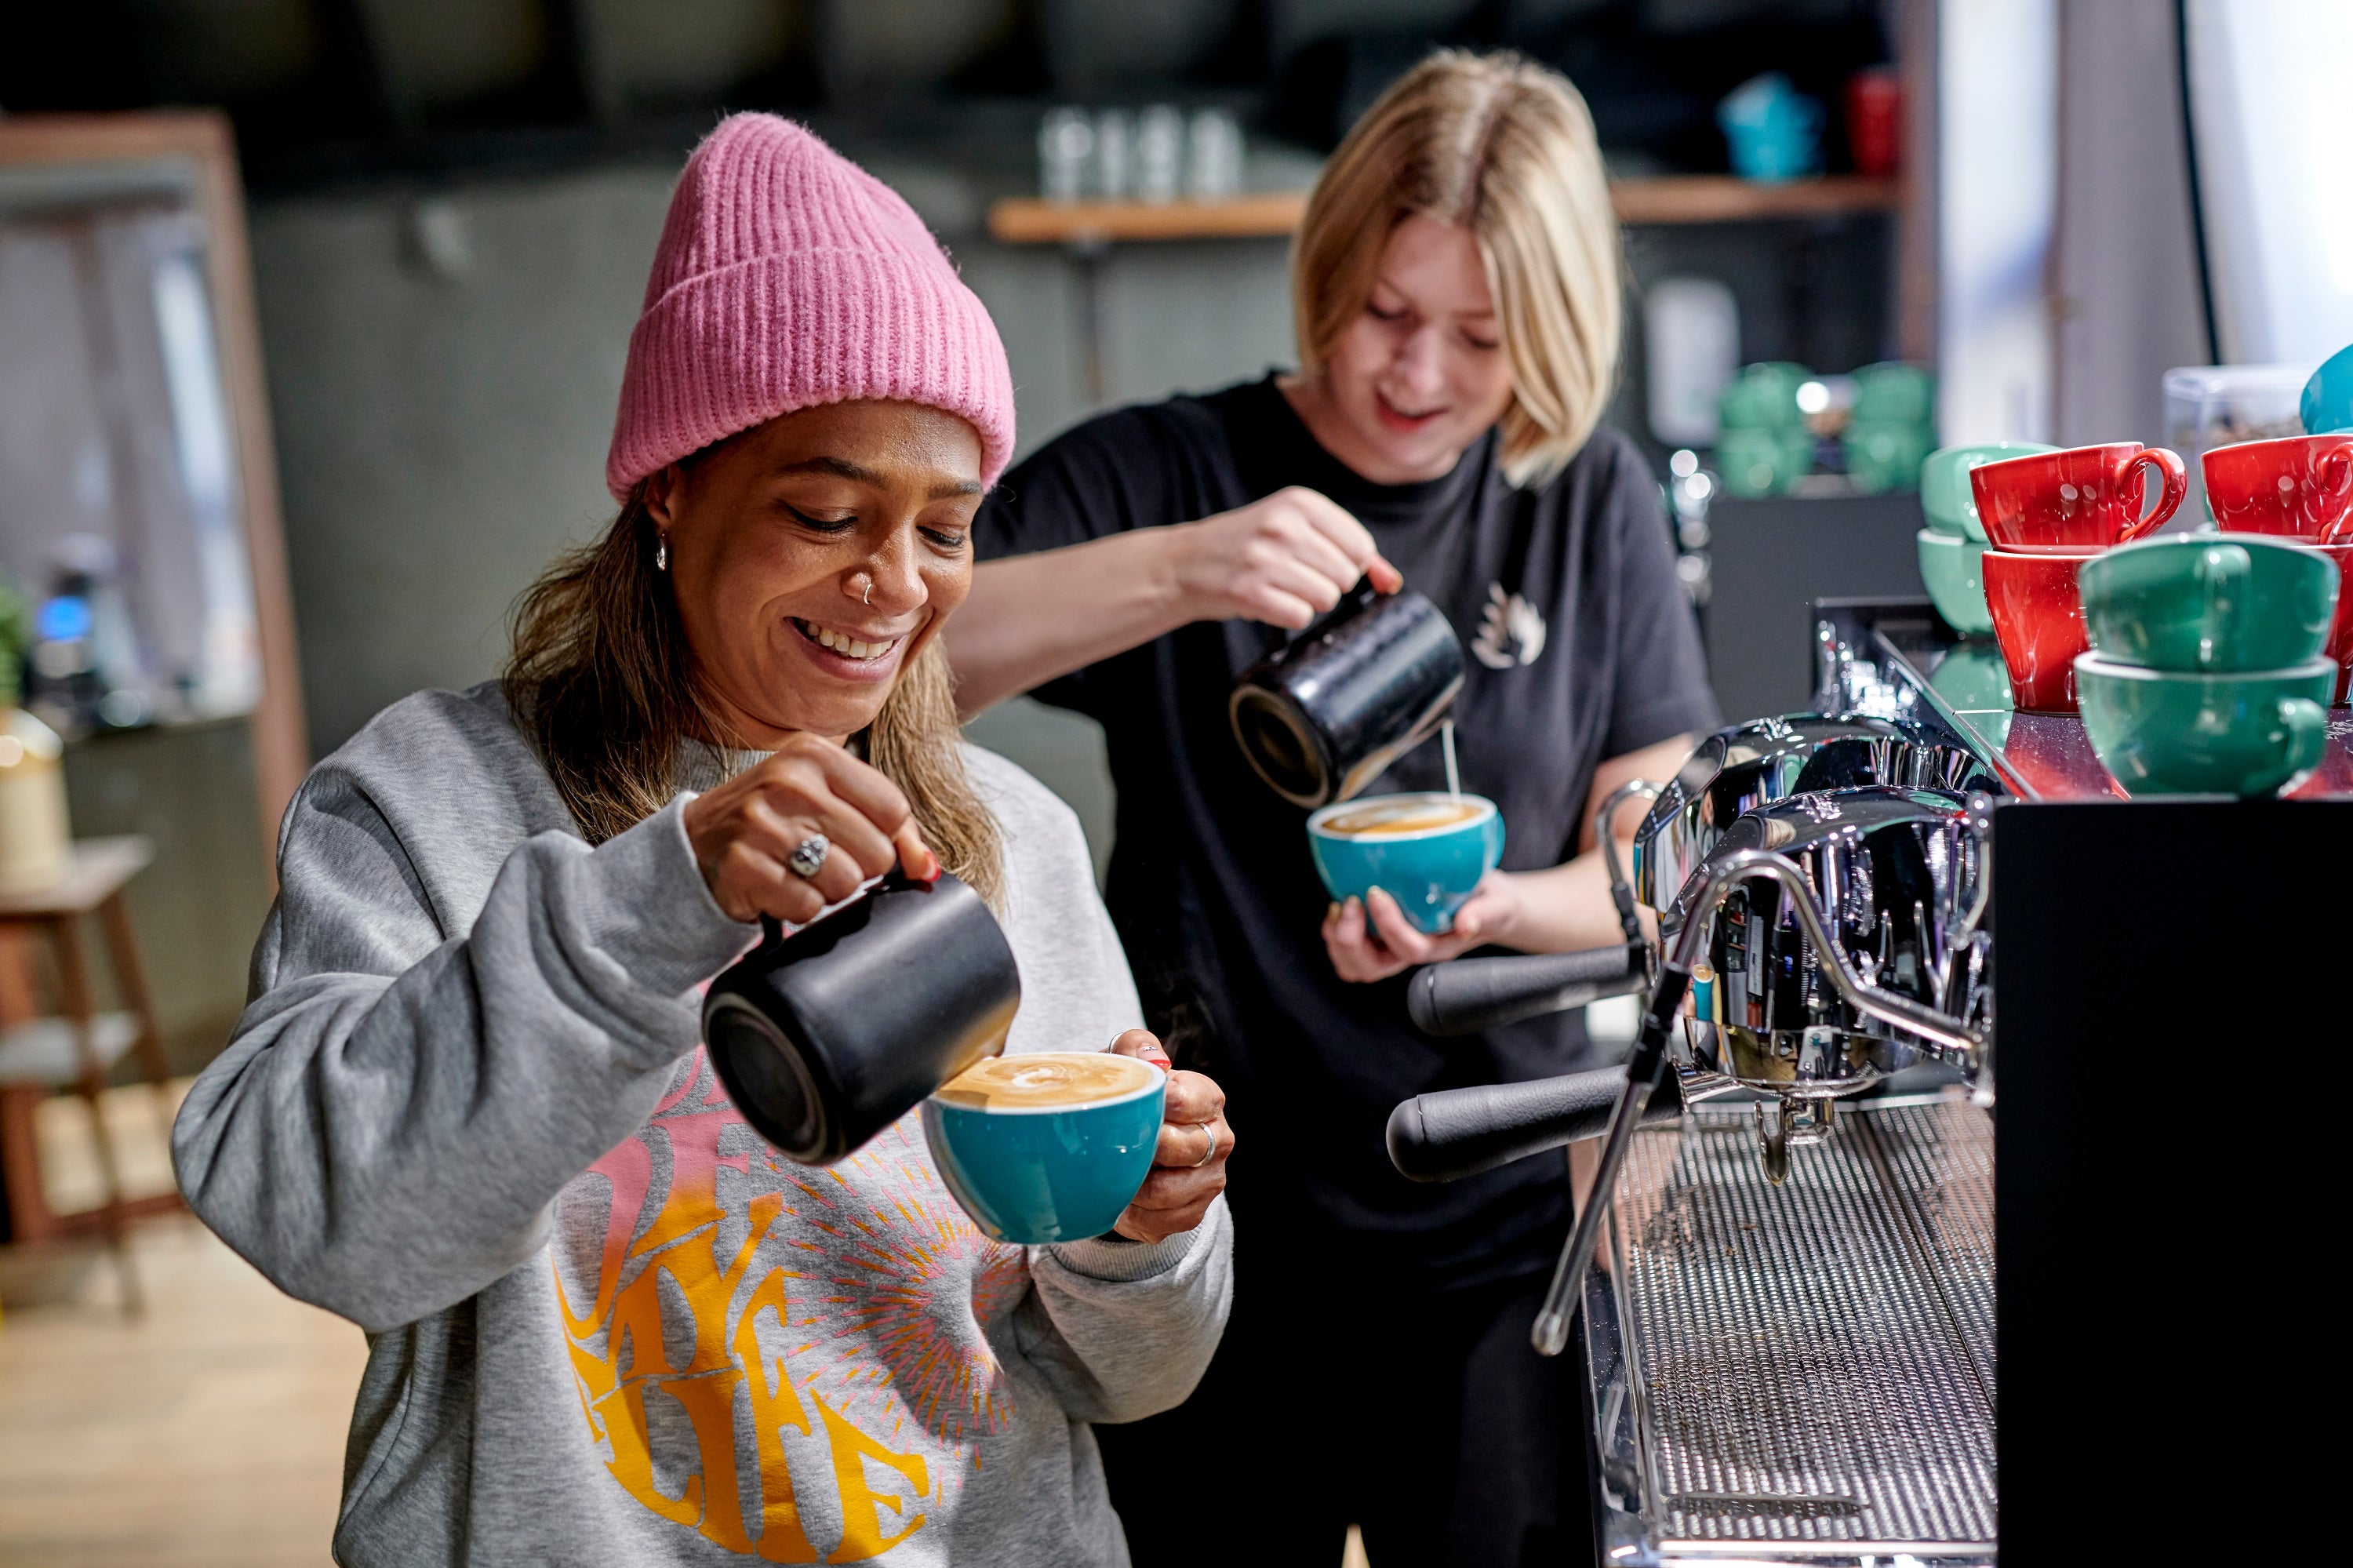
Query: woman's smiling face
(815, 555)
(1421, 373)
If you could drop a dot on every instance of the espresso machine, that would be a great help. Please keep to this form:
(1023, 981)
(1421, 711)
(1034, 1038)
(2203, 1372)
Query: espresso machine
(1789, 1288)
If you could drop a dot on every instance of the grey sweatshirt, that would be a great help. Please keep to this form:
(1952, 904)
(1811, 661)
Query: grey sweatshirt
(467, 1108)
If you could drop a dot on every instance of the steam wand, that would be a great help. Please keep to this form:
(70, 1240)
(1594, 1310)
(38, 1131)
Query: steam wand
(1648, 1065)
(1621, 894)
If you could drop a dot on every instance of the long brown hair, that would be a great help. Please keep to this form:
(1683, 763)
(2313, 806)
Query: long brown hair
(601, 677)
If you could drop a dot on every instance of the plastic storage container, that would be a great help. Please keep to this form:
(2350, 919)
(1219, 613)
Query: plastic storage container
(2210, 406)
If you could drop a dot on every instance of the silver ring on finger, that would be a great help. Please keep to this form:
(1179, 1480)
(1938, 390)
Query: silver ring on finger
(808, 856)
(1210, 1128)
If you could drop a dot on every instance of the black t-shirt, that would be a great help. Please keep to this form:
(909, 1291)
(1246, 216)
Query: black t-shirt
(1580, 647)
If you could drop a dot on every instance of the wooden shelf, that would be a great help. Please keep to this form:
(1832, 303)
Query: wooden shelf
(1030, 220)
(1271, 215)
(1722, 198)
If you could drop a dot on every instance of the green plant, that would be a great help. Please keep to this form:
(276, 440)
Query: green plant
(15, 640)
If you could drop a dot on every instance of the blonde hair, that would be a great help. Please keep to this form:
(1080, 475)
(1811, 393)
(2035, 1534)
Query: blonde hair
(1506, 149)
(601, 677)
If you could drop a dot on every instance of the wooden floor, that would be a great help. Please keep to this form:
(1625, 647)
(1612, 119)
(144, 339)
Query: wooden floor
(207, 1433)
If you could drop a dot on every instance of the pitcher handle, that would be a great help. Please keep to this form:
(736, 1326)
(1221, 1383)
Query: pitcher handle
(2177, 485)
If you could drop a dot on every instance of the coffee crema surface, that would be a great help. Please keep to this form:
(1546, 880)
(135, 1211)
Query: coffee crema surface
(1047, 1080)
(1415, 814)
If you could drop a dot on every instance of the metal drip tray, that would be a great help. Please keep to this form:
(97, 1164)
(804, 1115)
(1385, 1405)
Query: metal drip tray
(1802, 1373)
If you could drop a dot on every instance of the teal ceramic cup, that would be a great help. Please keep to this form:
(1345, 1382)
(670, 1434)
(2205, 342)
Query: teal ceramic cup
(1882, 456)
(1944, 493)
(2209, 602)
(2328, 401)
(1031, 1173)
(1430, 871)
(1764, 463)
(1952, 568)
(1893, 392)
(1763, 397)
(2170, 732)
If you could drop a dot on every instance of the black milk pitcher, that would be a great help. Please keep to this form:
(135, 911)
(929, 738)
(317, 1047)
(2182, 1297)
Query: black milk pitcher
(1325, 715)
(828, 1035)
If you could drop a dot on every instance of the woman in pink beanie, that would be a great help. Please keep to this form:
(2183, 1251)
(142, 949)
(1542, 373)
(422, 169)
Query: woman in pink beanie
(469, 1108)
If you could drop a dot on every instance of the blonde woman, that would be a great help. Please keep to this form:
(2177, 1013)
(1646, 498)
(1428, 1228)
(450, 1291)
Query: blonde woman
(1456, 287)
(468, 1107)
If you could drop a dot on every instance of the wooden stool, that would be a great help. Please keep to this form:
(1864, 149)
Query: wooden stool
(76, 1049)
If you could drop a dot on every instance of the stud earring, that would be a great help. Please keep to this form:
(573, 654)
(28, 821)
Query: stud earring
(661, 552)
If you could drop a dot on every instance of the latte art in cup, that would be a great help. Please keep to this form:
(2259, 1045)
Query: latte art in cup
(1407, 814)
(1047, 1080)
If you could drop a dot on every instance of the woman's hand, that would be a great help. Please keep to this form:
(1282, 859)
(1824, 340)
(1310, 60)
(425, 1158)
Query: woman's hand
(1395, 944)
(1285, 559)
(1188, 1168)
(745, 830)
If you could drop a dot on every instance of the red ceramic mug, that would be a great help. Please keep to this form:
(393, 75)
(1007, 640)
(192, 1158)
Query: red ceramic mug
(2038, 619)
(2299, 488)
(2084, 498)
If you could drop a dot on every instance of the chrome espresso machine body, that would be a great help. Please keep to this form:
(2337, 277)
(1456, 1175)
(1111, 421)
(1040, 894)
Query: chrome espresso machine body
(1792, 1322)
(1820, 884)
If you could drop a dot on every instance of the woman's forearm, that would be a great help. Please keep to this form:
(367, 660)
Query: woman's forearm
(1031, 618)
(1565, 908)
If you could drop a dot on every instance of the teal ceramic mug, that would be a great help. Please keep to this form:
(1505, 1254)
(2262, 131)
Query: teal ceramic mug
(2209, 602)
(2327, 405)
(1047, 1147)
(2170, 732)
(1953, 569)
(1427, 851)
(1881, 457)
(1892, 393)
(1944, 493)
(1764, 463)
(1763, 397)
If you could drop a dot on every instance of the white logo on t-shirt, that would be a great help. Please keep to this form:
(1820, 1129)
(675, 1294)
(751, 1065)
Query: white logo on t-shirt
(1509, 633)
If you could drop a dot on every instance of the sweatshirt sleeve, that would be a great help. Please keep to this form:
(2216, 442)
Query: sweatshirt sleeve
(405, 1094)
(1122, 1330)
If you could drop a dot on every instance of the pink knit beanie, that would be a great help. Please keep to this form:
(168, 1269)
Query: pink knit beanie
(789, 277)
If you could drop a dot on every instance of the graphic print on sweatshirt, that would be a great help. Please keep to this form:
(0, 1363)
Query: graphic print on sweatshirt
(787, 1360)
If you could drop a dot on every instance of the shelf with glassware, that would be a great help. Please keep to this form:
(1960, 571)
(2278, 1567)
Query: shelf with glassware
(1259, 214)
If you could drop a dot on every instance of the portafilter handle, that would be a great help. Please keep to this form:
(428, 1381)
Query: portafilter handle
(1453, 1133)
(1649, 1062)
(1470, 994)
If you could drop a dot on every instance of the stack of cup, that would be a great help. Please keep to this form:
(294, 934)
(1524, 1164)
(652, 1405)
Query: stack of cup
(1891, 428)
(2044, 516)
(1953, 540)
(2300, 489)
(1765, 447)
(2209, 677)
